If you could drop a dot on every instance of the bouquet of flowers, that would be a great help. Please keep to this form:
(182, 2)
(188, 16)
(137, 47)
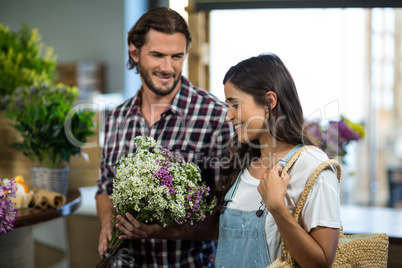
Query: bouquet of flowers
(156, 185)
(8, 212)
(335, 138)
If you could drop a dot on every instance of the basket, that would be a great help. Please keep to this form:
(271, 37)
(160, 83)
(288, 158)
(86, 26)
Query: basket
(51, 179)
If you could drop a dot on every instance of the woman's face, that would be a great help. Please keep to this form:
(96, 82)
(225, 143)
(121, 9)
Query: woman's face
(248, 117)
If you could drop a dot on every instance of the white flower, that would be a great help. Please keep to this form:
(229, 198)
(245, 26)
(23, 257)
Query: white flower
(155, 185)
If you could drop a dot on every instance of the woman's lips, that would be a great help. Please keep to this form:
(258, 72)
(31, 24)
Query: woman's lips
(237, 127)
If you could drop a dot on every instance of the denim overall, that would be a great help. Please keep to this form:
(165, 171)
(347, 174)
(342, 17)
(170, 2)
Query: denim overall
(242, 241)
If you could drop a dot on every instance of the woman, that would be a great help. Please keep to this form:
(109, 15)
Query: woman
(255, 205)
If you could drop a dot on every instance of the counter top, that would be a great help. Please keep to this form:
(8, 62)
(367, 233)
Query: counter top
(362, 219)
(30, 216)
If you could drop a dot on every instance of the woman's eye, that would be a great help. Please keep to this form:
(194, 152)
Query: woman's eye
(235, 106)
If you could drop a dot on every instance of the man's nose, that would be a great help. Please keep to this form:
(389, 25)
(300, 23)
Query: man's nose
(167, 65)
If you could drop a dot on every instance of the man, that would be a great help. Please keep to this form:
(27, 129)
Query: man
(178, 115)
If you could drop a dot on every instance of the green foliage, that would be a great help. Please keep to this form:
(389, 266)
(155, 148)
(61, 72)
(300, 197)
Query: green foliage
(21, 59)
(40, 114)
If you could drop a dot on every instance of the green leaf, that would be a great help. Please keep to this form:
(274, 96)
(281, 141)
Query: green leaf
(22, 61)
(39, 113)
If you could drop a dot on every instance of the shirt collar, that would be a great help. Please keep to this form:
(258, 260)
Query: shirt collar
(134, 104)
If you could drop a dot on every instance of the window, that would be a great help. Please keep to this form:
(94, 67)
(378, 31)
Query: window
(322, 48)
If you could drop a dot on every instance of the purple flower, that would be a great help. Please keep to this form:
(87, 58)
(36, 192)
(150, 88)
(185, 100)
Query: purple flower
(179, 157)
(314, 129)
(196, 197)
(8, 212)
(335, 138)
(168, 154)
(346, 133)
(165, 179)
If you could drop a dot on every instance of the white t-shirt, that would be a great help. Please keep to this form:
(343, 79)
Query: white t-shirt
(322, 207)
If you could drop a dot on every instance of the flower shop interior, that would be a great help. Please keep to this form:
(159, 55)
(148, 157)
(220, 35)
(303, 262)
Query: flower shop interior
(345, 58)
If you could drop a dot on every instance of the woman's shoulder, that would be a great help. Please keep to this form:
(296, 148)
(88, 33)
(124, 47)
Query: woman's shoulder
(308, 161)
(305, 165)
(313, 156)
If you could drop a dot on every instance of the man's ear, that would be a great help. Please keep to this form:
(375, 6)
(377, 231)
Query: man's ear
(134, 53)
(272, 99)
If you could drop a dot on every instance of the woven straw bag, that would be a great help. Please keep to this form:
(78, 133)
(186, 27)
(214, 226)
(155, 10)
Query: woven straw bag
(362, 250)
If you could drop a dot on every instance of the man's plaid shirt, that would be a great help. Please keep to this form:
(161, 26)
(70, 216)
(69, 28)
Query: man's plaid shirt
(193, 125)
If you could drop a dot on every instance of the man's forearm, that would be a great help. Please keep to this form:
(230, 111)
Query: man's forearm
(104, 207)
(199, 231)
(202, 230)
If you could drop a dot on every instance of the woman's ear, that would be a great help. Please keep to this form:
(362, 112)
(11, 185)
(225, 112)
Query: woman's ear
(272, 99)
(134, 53)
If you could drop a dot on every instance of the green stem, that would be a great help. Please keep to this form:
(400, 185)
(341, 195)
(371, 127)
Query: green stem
(114, 246)
(50, 158)
(113, 249)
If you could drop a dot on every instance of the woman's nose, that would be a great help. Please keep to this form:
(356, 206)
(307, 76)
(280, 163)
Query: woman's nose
(229, 116)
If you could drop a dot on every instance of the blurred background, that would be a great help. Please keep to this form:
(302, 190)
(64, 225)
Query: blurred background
(345, 60)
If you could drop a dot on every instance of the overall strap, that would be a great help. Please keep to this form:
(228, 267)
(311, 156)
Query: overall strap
(233, 189)
(230, 194)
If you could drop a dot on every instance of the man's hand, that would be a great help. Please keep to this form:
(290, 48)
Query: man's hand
(104, 238)
(104, 208)
(134, 229)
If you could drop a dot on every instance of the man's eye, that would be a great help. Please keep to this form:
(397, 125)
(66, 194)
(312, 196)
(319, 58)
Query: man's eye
(235, 106)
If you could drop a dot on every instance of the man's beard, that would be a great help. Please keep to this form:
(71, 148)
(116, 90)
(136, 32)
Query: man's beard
(148, 82)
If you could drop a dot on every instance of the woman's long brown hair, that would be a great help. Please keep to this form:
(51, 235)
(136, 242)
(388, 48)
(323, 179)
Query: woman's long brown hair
(256, 76)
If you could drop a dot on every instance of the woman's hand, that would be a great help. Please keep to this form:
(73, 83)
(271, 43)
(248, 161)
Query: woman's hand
(316, 249)
(272, 188)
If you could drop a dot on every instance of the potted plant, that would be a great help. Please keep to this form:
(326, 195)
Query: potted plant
(41, 113)
(23, 60)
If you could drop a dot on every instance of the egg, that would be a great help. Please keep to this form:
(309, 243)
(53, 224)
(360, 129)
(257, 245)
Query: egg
(20, 184)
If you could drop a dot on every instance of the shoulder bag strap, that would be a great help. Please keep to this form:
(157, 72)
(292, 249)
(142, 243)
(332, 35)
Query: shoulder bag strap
(293, 159)
(311, 181)
(306, 191)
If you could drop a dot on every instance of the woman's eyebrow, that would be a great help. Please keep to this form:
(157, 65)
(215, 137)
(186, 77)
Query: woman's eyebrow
(231, 99)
